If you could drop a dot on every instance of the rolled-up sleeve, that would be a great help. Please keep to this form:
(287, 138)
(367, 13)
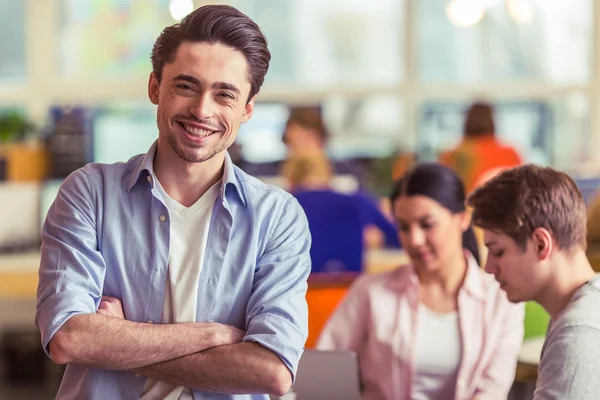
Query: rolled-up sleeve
(71, 273)
(277, 312)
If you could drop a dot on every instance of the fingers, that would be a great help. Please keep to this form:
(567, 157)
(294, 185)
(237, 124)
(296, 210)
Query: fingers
(110, 299)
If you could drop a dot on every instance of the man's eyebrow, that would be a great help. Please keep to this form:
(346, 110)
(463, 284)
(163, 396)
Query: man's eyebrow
(188, 78)
(226, 86)
(216, 85)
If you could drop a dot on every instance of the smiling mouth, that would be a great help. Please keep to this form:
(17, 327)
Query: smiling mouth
(195, 131)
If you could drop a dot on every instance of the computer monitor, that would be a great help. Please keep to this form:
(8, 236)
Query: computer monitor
(261, 137)
(121, 134)
(525, 124)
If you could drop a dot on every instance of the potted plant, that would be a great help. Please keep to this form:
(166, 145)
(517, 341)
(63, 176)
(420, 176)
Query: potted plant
(14, 127)
(20, 157)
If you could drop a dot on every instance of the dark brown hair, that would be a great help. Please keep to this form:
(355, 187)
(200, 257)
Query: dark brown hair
(444, 186)
(307, 117)
(522, 199)
(480, 120)
(216, 24)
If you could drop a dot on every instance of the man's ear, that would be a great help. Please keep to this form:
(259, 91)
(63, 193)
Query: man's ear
(543, 243)
(153, 88)
(248, 110)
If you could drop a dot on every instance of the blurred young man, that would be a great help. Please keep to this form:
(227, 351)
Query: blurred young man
(534, 222)
(176, 275)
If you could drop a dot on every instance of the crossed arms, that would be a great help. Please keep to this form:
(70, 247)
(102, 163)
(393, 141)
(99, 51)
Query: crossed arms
(208, 356)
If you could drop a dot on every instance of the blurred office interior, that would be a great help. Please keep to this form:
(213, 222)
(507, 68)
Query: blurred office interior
(389, 77)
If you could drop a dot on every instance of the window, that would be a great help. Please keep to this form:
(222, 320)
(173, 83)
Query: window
(109, 39)
(315, 42)
(499, 49)
(366, 127)
(12, 41)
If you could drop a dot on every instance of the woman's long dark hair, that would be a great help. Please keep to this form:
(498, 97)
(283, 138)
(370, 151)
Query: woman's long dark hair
(442, 185)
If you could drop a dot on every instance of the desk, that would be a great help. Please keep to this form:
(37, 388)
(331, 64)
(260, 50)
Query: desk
(531, 351)
(18, 285)
(528, 359)
(19, 276)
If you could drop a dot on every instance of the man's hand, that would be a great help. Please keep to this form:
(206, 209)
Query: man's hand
(226, 334)
(111, 307)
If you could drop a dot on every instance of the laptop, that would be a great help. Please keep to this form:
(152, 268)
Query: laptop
(326, 375)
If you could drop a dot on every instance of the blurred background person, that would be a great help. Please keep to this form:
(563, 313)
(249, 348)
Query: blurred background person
(341, 225)
(480, 155)
(306, 135)
(453, 333)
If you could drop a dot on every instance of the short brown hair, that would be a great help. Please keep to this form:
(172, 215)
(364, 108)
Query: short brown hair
(522, 199)
(308, 117)
(216, 24)
(480, 120)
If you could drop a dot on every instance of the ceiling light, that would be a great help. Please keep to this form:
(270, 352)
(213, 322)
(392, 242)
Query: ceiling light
(465, 13)
(180, 8)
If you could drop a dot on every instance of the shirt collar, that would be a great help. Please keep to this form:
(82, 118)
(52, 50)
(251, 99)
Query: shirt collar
(145, 168)
(231, 179)
(406, 277)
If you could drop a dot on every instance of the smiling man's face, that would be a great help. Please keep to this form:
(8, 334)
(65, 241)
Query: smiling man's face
(202, 100)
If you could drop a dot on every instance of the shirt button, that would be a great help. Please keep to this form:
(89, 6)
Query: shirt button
(150, 178)
(150, 321)
(162, 218)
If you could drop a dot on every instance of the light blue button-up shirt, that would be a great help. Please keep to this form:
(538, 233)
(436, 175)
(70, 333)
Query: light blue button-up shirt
(107, 233)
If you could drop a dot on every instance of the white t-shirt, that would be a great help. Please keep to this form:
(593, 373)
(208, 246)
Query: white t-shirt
(188, 235)
(437, 355)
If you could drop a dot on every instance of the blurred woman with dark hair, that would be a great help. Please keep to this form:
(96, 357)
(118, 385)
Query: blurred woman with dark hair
(480, 156)
(439, 328)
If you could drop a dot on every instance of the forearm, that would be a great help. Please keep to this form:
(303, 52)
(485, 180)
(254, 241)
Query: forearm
(240, 368)
(117, 344)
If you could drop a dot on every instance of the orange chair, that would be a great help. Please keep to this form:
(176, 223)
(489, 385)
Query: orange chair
(325, 291)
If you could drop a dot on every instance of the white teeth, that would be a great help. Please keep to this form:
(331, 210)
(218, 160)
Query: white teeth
(197, 131)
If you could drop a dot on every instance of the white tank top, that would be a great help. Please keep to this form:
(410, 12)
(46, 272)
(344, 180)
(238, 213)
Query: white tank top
(437, 355)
